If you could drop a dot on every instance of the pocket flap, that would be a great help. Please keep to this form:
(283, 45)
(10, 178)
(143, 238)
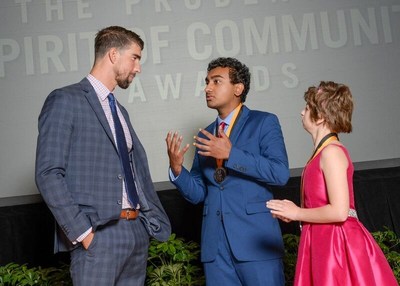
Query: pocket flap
(256, 207)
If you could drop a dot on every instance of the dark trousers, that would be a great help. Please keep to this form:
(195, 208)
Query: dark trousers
(116, 256)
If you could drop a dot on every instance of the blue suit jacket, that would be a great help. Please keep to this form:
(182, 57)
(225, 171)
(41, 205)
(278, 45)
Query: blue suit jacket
(78, 171)
(258, 159)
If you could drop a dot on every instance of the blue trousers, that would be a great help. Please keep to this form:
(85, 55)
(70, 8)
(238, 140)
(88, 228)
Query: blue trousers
(227, 270)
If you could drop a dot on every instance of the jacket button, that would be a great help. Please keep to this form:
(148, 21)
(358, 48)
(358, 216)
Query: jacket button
(120, 176)
(218, 213)
(119, 202)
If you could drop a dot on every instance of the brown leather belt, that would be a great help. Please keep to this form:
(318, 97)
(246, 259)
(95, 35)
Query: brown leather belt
(129, 214)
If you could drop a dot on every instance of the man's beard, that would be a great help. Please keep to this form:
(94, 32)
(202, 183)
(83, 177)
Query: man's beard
(123, 83)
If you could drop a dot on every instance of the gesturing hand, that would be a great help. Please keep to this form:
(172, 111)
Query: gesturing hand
(213, 146)
(175, 153)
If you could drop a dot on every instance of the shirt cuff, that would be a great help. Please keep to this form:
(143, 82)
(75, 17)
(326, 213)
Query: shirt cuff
(82, 236)
(172, 176)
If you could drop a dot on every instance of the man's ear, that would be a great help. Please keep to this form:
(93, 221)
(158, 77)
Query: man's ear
(238, 89)
(113, 55)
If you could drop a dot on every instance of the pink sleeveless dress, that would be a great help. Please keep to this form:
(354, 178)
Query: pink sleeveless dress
(337, 253)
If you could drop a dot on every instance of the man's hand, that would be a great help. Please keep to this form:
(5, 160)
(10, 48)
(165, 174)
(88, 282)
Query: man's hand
(87, 240)
(217, 147)
(175, 153)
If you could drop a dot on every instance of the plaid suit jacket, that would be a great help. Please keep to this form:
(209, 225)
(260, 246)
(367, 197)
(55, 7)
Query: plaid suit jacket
(78, 168)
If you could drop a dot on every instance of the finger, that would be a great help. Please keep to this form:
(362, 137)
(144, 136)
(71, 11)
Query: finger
(201, 147)
(207, 134)
(169, 136)
(185, 148)
(272, 204)
(168, 140)
(204, 153)
(175, 136)
(221, 133)
(201, 140)
(274, 212)
(176, 141)
(179, 139)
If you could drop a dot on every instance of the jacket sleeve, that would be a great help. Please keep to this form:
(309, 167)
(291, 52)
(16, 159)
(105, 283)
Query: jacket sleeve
(191, 184)
(54, 140)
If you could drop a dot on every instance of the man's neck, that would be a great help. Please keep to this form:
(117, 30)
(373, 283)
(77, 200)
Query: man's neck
(224, 113)
(104, 75)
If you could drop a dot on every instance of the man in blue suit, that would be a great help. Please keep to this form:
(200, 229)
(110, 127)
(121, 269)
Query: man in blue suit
(235, 163)
(81, 175)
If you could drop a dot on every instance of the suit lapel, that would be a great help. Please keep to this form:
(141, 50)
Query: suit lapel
(239, 125)
(93, 100)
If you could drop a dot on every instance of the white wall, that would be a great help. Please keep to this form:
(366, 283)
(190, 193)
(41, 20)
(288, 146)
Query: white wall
(289, 45)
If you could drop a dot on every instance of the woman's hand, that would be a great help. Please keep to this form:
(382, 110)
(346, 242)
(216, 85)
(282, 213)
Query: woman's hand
(285, 210)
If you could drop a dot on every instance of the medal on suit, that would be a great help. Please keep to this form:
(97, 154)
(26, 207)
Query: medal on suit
(220, 172)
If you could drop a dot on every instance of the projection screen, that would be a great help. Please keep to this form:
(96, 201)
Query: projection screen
(287, 44)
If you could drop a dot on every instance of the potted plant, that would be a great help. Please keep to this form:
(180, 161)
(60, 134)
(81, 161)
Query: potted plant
(15, 274)
(174, 262)
(390, 245)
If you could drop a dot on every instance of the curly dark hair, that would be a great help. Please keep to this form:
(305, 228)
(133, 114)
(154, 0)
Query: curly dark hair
(238, 72)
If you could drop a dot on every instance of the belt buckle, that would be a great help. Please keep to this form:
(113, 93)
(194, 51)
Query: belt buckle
(127, 214)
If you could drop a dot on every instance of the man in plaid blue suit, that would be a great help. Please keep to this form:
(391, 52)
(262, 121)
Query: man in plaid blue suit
(80, 176)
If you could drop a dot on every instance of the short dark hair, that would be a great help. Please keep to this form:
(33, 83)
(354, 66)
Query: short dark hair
(115, 37)
(333, 102)
(238, 72)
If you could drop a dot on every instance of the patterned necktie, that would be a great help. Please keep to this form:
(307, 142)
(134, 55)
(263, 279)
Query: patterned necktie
(123, 154)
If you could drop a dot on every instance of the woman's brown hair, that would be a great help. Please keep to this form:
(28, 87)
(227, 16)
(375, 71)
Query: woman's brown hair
(332, 102)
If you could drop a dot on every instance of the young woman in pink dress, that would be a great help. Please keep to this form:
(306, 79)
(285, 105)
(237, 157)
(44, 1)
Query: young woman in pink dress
(335, 248)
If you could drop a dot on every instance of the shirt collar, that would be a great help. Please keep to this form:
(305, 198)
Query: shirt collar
(228, 119)
(100, 89)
